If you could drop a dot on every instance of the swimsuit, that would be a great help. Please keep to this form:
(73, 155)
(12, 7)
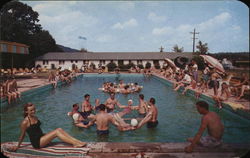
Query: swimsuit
(84, 122)
(85, 114)
(102, 132)
(35, 133)
(109, 110)
(209, 141)
(152, 124)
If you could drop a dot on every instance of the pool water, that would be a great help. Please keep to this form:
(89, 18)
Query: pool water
(178, 118)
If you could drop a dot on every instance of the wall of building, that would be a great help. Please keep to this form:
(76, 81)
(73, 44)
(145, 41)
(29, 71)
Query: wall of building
(68, 63)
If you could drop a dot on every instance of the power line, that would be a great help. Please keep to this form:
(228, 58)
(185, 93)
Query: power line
(194, 38)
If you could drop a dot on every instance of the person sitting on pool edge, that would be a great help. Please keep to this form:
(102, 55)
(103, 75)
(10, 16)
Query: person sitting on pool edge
(215, 128)
(38, 139)
(151, 116)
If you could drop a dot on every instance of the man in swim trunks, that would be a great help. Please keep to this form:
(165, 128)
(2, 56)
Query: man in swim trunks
(212, 122)
(143, 106)
(86, 106)
(151, 117)
(111, 102)
(102, 120)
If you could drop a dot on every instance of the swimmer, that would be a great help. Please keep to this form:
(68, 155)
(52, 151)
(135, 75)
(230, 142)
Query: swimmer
(102, 120)
(151, 116)
(111, 102)
(86, 106)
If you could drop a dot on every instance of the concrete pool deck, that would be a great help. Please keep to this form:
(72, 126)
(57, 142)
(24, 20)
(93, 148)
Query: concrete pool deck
(110, 149)
(120, 150)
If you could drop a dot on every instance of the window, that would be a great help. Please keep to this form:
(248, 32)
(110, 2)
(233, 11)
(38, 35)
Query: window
(76, 61)
(61, 62)
(14, 49)
(45, 62)
(3, 47)
(139, 61)
(102, 62)
(120, 62)
(71, 61)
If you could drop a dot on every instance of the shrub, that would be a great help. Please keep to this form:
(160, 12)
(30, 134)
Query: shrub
(140, 66)
(111, 66)
(148, 65)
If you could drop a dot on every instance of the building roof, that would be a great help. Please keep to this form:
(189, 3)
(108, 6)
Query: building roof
(112, 55)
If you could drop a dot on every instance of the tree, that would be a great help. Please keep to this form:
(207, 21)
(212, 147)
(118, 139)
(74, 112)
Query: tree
(111, 66)
(84, 50)
(148, 65)
(19, 23)
(202, 48)
(176, 49)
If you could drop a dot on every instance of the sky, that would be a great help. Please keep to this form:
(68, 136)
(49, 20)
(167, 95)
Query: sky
(145, 26)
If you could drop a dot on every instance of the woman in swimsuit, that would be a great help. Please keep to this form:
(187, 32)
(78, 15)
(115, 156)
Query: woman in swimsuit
(38, 139)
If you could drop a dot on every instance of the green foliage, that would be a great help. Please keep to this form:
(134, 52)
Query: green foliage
(129, 65)
(111, 66)
(202, 48)
(176, 49)
(148, 65)
(200, 62)
(92, 65)
(157, 65)
(140, 66)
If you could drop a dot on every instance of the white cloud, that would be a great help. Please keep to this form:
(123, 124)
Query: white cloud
(104, 38)
(162, 31)
(130, 23)
(155, 18)
(214, 22)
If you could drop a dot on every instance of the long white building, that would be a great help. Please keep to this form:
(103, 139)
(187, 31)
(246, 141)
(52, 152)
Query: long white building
(68, 59)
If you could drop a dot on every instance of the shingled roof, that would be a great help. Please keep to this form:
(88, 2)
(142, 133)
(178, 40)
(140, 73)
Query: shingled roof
(112, 55)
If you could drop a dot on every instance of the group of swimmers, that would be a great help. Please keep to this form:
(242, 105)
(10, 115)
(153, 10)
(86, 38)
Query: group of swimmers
(31, 124)
(103, 114)
(9, 89)
(121, 87)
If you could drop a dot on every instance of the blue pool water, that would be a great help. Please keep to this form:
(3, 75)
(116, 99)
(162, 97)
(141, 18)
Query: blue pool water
(178, 118)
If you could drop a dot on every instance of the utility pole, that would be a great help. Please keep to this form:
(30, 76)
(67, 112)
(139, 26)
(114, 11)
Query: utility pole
(194, 38)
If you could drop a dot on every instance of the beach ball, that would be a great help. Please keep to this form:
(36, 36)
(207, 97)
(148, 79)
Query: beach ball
(134, 122)
(75, 116)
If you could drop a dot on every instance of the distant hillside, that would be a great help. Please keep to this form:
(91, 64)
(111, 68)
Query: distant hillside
(67, 49)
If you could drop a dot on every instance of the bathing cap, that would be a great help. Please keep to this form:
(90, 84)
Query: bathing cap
(130, 100)
(134, 122)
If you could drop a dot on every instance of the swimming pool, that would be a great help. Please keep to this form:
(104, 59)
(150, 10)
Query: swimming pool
(178, 118)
